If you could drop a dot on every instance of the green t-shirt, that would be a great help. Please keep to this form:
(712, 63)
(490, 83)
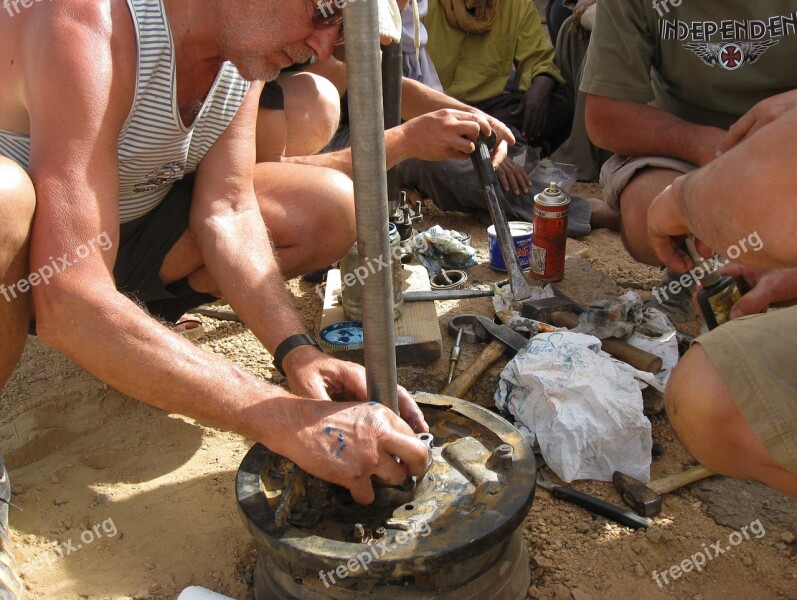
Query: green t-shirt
(705, 62)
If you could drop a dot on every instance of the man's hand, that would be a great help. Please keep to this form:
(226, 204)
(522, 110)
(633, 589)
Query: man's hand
(760, 115)
(534, 107)
(442, 134)
(503, 132)
(768, 288)
(667, 227)
(348, 444)
(578, 12)
(313, 374)
(510, 174)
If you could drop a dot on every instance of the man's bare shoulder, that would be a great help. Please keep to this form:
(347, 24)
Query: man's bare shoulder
(46, 45)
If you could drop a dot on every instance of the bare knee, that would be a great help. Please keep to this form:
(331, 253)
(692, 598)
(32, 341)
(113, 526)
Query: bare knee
(704, 415)
(635, 200)
(17, 206)
(336, 216)
(312, 110)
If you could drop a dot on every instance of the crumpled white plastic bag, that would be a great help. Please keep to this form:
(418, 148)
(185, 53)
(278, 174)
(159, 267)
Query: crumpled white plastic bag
(585, 411)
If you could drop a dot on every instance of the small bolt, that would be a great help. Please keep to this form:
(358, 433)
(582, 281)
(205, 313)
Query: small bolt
(504, 449)
(359, 530)
(380, 532)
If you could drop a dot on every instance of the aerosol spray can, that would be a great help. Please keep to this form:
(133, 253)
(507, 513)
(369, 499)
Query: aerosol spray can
(550, 234)
(717, 294)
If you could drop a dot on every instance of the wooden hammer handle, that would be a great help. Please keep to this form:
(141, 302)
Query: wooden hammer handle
(679, 480)
(620, 349)
(465, 380)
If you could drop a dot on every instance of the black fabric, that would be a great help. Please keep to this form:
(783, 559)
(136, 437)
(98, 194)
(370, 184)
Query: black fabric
(143, 244)
(557, 126)
(556, 15)
(272, 96)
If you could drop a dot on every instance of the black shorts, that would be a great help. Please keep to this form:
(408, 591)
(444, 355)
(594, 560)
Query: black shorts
(143, 244)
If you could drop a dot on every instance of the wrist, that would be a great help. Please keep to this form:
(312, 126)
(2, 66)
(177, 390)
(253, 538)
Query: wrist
(293, 345)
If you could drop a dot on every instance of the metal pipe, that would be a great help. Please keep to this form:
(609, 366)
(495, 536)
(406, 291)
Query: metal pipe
(391, 92)
(366, 116)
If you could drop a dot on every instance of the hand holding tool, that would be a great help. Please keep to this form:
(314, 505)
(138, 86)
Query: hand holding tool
(489, 181)
(646, 499)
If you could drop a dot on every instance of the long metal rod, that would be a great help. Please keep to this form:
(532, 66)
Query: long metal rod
(391, 94)
(366, 116)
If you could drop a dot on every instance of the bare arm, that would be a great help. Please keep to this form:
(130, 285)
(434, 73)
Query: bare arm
(74, 166)
(636, 129)
(435, 136)
(748, 190)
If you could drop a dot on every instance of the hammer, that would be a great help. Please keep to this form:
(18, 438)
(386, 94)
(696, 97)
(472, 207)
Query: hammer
(561, 311)
(503, 338)
(646, 499)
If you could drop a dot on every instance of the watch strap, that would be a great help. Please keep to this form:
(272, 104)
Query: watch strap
(288, 344)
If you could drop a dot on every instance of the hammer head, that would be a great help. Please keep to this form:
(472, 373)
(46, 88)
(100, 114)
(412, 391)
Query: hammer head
(541, 310)
(642, 500)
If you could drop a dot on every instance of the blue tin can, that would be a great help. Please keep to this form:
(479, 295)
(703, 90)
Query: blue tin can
(522, 234)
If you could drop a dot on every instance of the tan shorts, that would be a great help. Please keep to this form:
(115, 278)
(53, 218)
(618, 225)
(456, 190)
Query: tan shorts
(755, 356)
(619, 170)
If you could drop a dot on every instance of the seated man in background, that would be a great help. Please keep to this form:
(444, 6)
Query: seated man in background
(732, 399)
(664, 88)
(474, 45)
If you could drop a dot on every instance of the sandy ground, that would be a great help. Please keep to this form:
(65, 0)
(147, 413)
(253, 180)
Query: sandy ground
(120, 500)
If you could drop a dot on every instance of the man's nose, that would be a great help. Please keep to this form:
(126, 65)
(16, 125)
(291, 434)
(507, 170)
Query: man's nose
(322, 41)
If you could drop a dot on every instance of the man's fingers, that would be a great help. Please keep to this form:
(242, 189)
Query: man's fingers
(736, 133)
(753, 302)
(410, 412)
(670, 253)
(504, 133)
(502, 179)
(362, 491)
(390, 472)
(410, 450)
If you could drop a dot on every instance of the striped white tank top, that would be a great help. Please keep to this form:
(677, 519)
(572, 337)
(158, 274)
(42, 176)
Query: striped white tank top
(155, 148)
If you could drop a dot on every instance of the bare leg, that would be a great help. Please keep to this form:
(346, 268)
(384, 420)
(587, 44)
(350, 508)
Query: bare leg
(705, 417)
(17, 205)
(309, 212)
(603, 215)
(309, 120)
(312, 110)
(634, 202)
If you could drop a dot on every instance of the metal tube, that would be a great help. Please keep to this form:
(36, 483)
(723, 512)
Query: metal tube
(391, 93)
(370, 198)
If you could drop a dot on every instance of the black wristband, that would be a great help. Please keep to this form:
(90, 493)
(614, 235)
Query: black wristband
(288, 344)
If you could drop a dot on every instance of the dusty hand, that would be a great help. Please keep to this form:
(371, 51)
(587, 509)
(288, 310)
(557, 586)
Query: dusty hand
(313, 374)
(534, 107)
(347, 444)
(760, 115)
(768, 287)
(446, 133)
(510, 174)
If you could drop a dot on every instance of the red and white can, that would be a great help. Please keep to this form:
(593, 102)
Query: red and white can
(550, 234)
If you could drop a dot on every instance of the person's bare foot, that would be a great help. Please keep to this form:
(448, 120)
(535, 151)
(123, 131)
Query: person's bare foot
(603, 215)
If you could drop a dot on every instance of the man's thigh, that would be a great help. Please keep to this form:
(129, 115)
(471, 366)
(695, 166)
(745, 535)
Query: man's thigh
(763, 382)
(309, 212)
